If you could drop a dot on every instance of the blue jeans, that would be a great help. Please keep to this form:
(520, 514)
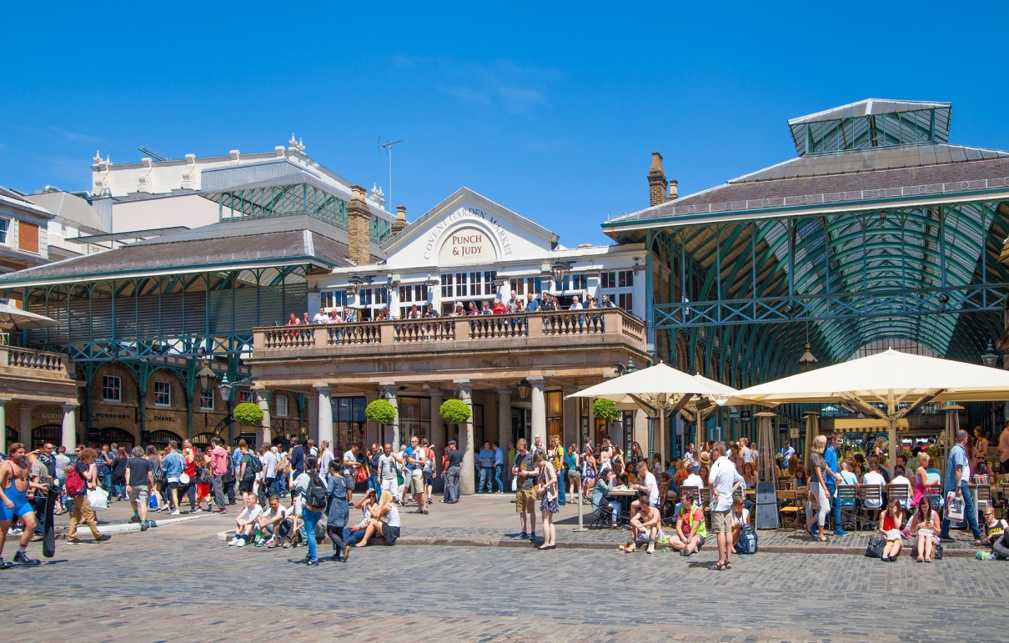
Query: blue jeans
(835, 506)
(486, 478)
(351, 538)
(970, 513)
(498, 470)
(562, 478)
(120, 489)
(375, 486)
(311, 520)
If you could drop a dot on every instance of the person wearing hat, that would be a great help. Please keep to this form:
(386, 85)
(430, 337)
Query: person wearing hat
(705, 459)
(451, 473)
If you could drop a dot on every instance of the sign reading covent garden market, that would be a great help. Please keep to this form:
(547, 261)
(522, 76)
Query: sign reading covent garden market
(469, 243)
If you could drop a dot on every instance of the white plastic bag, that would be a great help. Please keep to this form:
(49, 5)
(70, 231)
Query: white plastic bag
(99, 499)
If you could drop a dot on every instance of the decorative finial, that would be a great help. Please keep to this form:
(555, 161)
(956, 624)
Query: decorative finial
(98, 157)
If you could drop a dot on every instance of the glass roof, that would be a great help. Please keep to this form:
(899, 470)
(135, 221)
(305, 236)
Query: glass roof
(871, 123)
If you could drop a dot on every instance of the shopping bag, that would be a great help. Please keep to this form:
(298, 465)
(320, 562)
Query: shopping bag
(99, 499)
(954, 507)
(875, 547)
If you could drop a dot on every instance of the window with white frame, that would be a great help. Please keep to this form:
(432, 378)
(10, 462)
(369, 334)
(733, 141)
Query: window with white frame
(373, 300)
(333, 298)
(573, 282)
(525, 285)
(618, 285)
(162, 393)
(244, 396)
(3, 229)
(207, 399)
(281, 401)
(112, 388)
(477, 284)
(410, 296)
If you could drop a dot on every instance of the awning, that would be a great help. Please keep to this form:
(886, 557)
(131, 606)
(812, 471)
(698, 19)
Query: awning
(867, 425)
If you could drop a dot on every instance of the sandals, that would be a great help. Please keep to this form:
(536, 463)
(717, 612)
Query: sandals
(719, 567)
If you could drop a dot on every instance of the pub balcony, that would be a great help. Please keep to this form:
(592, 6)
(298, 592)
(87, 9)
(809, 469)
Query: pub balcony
(597, 337)
(16, 362)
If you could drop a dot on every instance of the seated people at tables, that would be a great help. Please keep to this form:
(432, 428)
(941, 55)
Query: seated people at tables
(995, 534)
(693, 480)
(245, 523)
(749, 476)
(599, 500)
(900, 479)
(355, 534)
(691, 530)
(645, 521)
(270, 522)
(740, 517)
(873, 477)
(383, 526)
(982, 470)
(799, 480)
(925, 530)
(847, 475)
(922, 481)
(648, 486)
(890, 524)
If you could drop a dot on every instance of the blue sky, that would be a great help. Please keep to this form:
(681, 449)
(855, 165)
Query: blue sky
(551, 109)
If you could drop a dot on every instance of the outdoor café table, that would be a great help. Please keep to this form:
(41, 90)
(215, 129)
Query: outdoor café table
(624, 496)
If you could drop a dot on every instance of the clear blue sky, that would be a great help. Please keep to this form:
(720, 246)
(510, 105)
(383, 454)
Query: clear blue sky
(551, 109)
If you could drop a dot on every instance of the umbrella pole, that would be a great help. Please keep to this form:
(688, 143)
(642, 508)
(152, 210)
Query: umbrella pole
(891, 428)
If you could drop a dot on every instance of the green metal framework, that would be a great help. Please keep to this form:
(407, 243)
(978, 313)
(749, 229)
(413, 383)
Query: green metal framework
(298, 198)
(861, 125)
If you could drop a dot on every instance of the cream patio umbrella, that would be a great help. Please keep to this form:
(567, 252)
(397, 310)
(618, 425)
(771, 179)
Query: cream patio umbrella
(660, 391)
(699, 409)
(888, 385)
(14, 318)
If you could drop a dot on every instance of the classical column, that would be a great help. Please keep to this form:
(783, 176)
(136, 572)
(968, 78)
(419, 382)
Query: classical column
(264, 403)
(437, 436)
(467, 484)
(570, 418)
(504, 424)
(392, 396)
(25, 425)
(539, 427)
(70, 426)
(325, 413)
(3, 423)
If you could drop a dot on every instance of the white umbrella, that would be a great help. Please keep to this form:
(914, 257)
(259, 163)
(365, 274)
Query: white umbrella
(890, 380)
(13, 318)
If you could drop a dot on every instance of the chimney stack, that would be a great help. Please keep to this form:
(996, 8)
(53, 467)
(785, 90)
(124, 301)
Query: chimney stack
(358, 227)
(657, 184)
(674, 190)
(400, 223)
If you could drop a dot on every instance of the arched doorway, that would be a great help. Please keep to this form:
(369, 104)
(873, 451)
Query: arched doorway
(111, 434)
(161, 439)
(52, 433)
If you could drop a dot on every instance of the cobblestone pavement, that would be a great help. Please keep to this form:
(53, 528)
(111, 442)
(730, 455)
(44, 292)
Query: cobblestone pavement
(178, 582)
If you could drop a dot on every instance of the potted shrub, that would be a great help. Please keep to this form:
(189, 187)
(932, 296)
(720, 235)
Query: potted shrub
(605, 410)
(455, 411)
(248, 414)
(380, 411)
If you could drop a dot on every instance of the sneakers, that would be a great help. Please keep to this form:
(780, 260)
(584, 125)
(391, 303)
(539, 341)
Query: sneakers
(22, 558)
(5, 565)
(144, 526)
(222, 510)
(532, 536)
(651, 548)
(194, 511)
(521, 536)
(240, 543)
(981, 555)
(103, 538)
(73, 541)
(175, 513)
(134, 518)
(233, 541)
(312, 562)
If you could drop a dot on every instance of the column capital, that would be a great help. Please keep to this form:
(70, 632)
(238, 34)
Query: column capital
(4, 400)
(536, 381)
(70, 406)
(503, 391)
(321, 387)
(462, 382)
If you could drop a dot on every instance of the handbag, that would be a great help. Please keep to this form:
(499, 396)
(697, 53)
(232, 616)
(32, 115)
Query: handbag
(875, 548)
(99, 499)
(360, 475)
(954, 507)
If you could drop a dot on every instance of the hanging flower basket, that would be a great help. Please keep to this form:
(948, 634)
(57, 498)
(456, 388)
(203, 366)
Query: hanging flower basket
(380, 411)
(605, 410)
(248, 414)
(455, 411)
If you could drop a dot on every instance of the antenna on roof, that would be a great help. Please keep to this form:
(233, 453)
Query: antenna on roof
(153, 152)
(387, 145)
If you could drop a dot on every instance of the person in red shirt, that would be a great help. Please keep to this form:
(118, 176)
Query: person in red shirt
(499, 308)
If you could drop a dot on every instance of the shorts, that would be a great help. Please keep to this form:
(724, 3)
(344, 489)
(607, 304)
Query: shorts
(700, 540)
(389, 536)
(574, 474)
(721, 522)
(390, 485)
(173, 483)
(1004, 467)
(245, 486)
(21, 508)
(525, 500)
(417, 484)
(139, 494)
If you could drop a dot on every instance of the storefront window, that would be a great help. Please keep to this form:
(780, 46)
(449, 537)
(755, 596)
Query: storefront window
(414, 417)
(555, 414)
(349, 422)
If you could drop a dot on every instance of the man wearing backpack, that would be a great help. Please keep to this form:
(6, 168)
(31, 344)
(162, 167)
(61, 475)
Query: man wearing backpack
(247, 470)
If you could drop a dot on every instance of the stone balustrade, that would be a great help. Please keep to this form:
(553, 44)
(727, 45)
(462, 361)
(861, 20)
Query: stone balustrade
(32, 363)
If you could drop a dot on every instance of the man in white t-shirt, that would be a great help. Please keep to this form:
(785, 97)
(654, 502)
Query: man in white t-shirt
(900, 479)
(321, 317)
(417, 460)
(388, 465)
(271, 519)
(874, 477)
(245, 522)
(693, 480)
(724, 480)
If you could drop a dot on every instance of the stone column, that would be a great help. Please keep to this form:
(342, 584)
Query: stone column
(325, 433)
(437, 436)
(539, 418)
(504, 425)
(25, 425)
(3, 423)
(467, 484)
(264, 428)
(70, 426)
(571, 433)
(392, 396)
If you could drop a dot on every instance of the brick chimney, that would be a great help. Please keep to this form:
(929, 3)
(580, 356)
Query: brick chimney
(657, 184)
(358, 225)
(674, 189)
(400, 223)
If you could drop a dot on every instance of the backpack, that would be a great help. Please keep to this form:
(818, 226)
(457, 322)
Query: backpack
(316, 496)
(568, 462)
(229, 475)
(74, 483)
(256, 466)
(747, 541)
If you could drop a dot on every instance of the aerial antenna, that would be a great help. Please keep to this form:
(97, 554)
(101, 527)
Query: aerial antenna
(387, 145)
(153, 152)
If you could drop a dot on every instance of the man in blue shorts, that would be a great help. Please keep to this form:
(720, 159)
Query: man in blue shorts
(14, 503)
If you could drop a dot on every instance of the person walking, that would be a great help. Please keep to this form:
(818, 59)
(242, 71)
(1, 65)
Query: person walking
(338, 512)
(173, 466)
(527, 472)
(139, 482)
(499, 459)
(14, 504)
(957, 481)
(218, 470)
(312, 513)
(818, 488)
(83, 479)
(833, 476)
(723, 480)
(453, 467)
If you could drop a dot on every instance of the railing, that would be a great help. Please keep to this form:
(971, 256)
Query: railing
(453, 333)
(33, 360)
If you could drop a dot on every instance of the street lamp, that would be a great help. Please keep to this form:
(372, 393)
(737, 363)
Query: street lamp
(808, 361)
(207, 377)
(225, 388)
(991, 354)
(524, 389)
(558, 270)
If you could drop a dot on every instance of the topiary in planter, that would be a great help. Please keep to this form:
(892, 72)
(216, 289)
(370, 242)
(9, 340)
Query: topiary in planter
(454, 411)
(605, 410)
(248, 414)
(380, 411)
